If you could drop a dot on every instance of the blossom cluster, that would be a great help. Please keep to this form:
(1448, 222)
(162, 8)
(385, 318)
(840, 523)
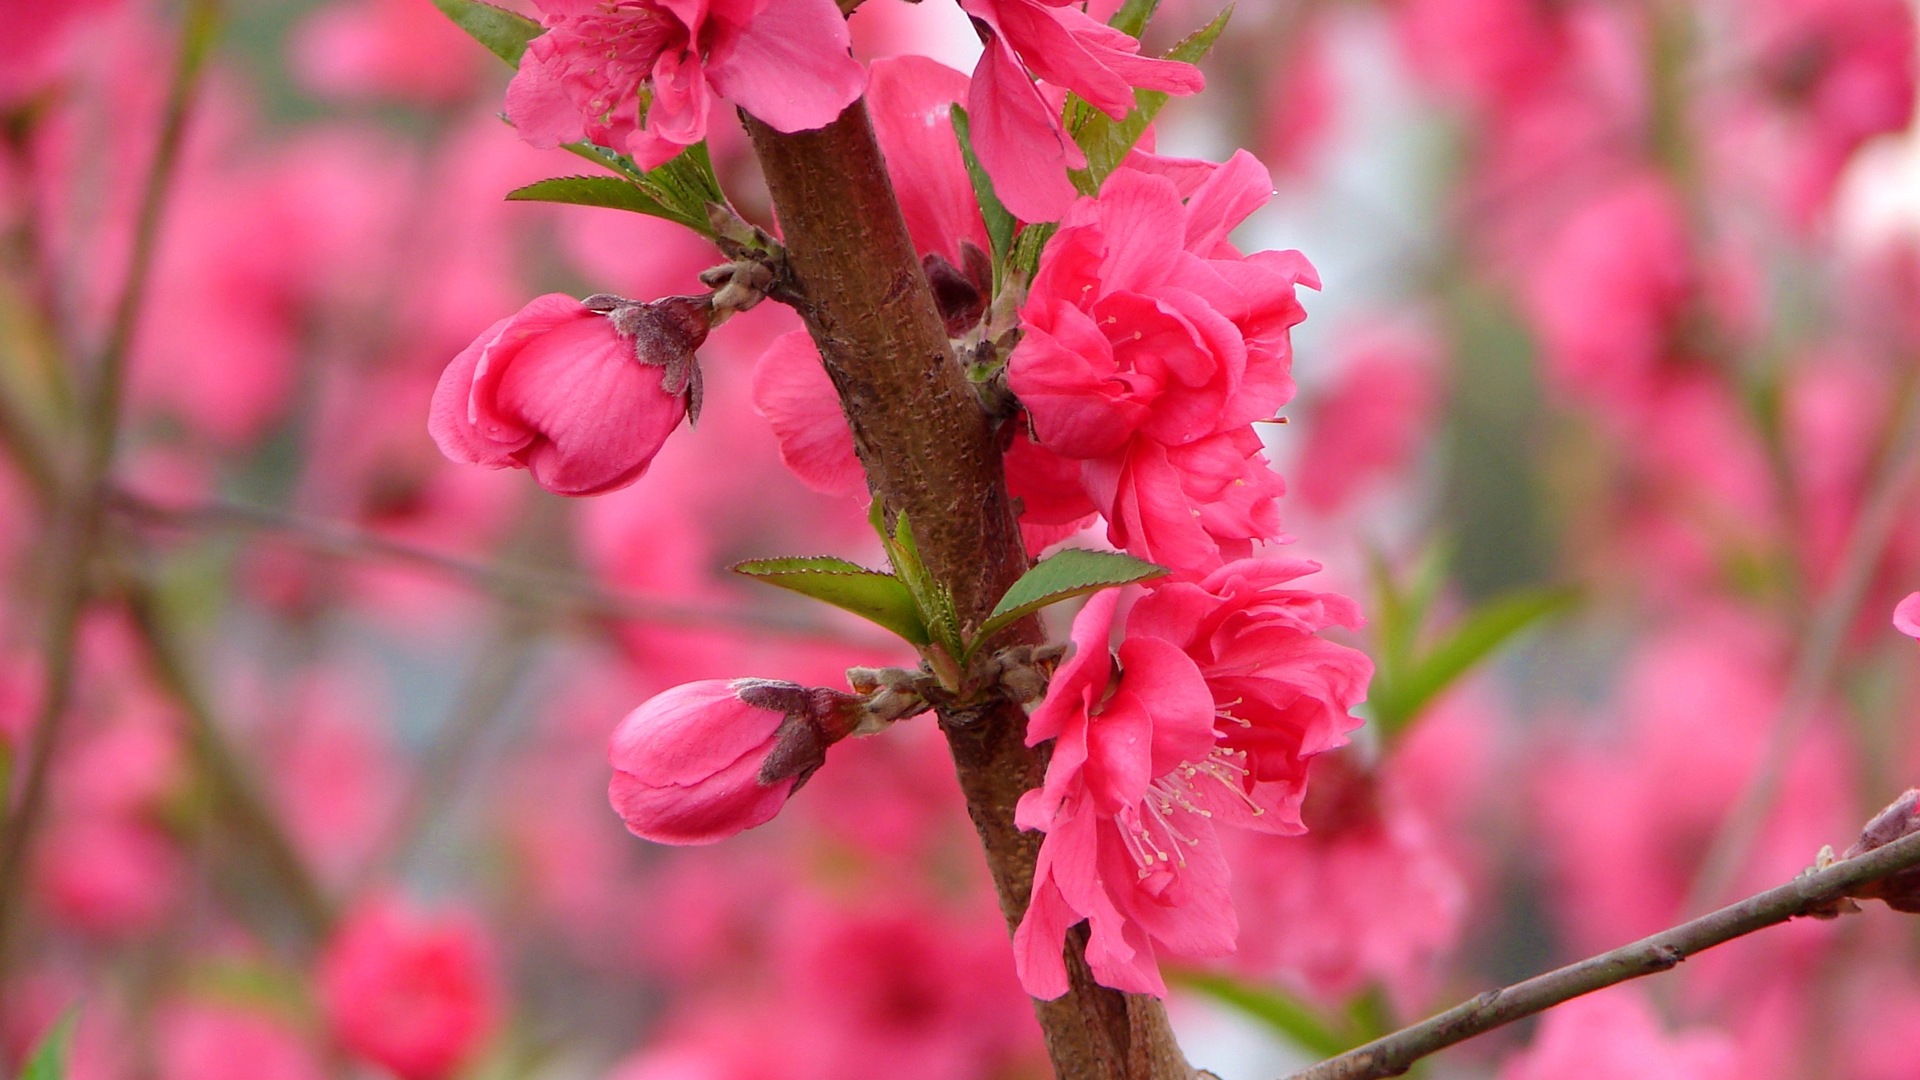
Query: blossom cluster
(1603, 419)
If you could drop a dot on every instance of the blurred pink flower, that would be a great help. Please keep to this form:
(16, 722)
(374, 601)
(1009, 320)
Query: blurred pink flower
(568, 393)
(107, 874)
(386, 48)
(207, 1041)
(1615, 1035)
(413, 993)
(1367, 427)
(1906, 615)
(706, 760)
(1016, 127)
(784, 61)
(1149, 344)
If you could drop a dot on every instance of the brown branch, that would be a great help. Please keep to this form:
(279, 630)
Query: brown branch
(931, 454)
(1393, 1054)
(540, 589)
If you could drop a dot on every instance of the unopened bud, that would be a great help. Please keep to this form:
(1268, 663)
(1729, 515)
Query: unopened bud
(1900, 891)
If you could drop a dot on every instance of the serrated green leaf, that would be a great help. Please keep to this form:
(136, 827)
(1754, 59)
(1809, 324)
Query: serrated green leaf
(999, 221)
(1399, 701)
(49, 1060)
(930, 598)
(1286, 1015)
(879, 598)
(1107, 141)
(1061, 576)
(504, 33)
(610, 192)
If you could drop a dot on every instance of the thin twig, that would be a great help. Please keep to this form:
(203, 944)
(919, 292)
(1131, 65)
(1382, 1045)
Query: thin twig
(82, 506)
(1818, 655)
(1393, 1054)
(228, 778)
(532, 588)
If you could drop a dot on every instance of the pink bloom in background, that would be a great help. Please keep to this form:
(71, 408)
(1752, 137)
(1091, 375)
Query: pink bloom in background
(1615, 1035)
(207, 1041)
(1148, 346)
(412, 993)
(1608, 291)
(709, 759)
(793, 392)
(1906, 615)
(784, 61)
(1225, 689)
(1367, 427)
(1016, 127)
(559, 390)
(392, 48)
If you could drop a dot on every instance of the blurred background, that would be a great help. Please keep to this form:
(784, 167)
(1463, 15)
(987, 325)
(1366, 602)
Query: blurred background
(1606, 416)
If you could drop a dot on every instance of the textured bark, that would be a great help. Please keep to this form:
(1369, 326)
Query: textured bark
(930, 453)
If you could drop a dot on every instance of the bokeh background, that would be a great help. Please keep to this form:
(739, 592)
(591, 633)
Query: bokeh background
(1607, 416)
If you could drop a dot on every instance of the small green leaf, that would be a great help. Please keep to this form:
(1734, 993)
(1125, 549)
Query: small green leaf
(930, 598)
(504, 33)
(49, 1060)
(1398, 702)
(1282, 1012)
(1107, 141)
(606, 191)
(999, 220)
(1064, 574)
(1132, 17)
(879, 598)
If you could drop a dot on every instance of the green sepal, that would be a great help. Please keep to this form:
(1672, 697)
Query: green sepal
(504, 33)
(999, 220)
(1107, 141)
(1061, 576)
(49, 1060)
(879, 598)
(1132, 17)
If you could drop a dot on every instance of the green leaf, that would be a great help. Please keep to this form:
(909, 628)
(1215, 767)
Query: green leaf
(607, 191)
(1399, 701)
(930, 598)
(1063, 575)
(49, 1060)
(879, 598)
(504, 33)
(1105, 140)
(999, 220)
(1280, 1011)
(1132, 17)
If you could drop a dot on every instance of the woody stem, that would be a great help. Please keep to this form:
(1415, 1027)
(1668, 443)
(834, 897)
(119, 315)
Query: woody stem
(930, 452)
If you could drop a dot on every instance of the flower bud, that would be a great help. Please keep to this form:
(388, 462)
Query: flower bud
(581, 393)
(706, 760)
(1901, 891)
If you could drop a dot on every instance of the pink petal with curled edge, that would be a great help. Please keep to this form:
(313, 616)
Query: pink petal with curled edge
(792, 391)
(911, 99)
(1018, 138)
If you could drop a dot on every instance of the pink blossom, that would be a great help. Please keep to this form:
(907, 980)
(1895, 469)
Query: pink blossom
(227, 1042)
(1367, 427)
(1016, 127)
(784, 61)
(109, 875)
(413, 993)
(375, 48)
(573, 394)
(1906, 615)
(1148, 345)
(793, 392)
(706, 760)
(1128, 848)
(1614, 1035)
(1224, 690)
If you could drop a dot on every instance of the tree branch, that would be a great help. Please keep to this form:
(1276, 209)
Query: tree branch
(931, 454)
(1393, 1054)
